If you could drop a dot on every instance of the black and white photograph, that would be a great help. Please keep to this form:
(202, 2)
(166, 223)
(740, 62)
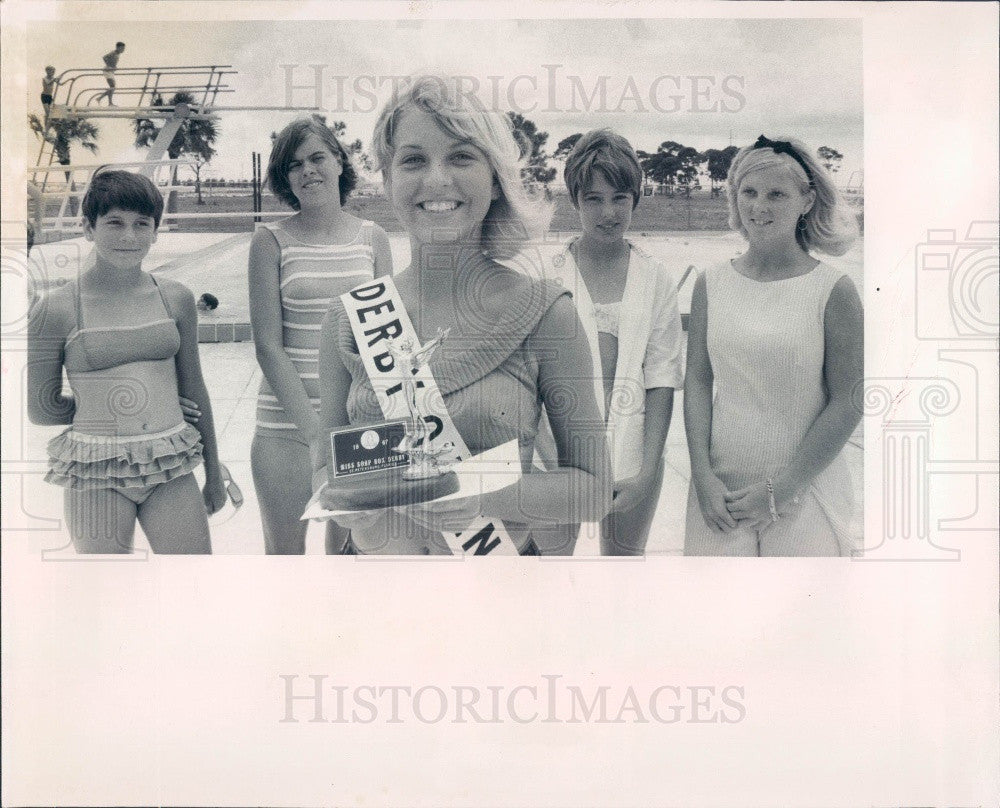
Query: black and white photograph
(695, 304)
(582, 285)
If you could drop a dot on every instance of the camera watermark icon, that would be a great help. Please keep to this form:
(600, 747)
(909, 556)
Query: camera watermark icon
(935, 433)
(963, 274)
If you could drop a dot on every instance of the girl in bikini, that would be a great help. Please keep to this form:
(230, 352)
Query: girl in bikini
(129, 345)
(297, 267)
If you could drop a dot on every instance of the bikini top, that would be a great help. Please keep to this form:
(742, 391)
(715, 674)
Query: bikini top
(100, 348)
(607, 317)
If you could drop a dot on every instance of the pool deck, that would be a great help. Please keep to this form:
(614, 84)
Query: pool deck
(217, 263)
(232, 376)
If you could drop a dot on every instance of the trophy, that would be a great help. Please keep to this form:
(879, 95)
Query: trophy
(416, 440)
(394, 462)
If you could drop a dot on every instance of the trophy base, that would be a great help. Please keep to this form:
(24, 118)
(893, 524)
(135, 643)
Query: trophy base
(386, 489)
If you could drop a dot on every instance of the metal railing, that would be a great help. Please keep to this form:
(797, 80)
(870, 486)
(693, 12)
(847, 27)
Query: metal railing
(147, 91)
(78, 88)
(76, 178)
(145, 88)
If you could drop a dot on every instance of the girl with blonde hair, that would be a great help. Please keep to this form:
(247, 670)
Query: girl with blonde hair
(779, 335)
(452, 173)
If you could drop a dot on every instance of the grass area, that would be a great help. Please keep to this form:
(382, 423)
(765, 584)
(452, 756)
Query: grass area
(700, 211)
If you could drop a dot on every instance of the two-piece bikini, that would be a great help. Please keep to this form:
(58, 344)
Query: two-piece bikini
(132, 465)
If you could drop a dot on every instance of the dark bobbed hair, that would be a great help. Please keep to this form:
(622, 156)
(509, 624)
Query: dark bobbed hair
(283, 151)
(113, 188)
(608, 152)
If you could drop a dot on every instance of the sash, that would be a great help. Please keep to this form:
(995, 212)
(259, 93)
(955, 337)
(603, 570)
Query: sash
(376, 313)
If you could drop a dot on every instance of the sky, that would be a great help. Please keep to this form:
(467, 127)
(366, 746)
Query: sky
(704, 83)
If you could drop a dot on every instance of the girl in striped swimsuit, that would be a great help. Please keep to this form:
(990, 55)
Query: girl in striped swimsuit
(297, 267)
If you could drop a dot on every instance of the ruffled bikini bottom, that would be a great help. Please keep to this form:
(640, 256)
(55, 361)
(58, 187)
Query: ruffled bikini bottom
(125, 463)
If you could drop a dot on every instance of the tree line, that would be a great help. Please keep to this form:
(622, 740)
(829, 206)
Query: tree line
(673, 167)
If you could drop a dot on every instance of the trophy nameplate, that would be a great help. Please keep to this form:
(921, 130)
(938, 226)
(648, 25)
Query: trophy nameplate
(393, 462)
(367, 472)
(367, 449)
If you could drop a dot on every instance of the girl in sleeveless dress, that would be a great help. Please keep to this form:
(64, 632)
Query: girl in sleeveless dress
(129, 345)
(297, 267)
(451, 171)
(780, 336)
(628, 305)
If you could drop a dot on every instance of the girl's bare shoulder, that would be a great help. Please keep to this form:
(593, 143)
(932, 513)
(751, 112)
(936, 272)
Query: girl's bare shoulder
(178, 297)
(54, 311)
(353, 226)
(264, 235)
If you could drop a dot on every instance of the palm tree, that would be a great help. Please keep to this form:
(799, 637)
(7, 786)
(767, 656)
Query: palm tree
(565, 146)
(532, 141)
(195, 137)
(62, 133)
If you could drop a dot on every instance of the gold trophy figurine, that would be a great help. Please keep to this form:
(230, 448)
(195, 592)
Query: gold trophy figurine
(416, 440)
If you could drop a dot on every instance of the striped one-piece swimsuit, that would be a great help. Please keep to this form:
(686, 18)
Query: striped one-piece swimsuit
(310, 276)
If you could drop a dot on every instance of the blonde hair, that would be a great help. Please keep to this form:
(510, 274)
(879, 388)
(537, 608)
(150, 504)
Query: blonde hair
(829, 226)
(517, 214)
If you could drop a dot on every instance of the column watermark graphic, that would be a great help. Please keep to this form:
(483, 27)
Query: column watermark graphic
(26, 277)
(936, 428)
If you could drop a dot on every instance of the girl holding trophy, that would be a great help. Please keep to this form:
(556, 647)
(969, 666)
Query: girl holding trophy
(451, 171)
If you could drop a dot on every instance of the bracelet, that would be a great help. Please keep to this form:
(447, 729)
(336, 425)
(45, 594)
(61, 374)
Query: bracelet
(771, 505)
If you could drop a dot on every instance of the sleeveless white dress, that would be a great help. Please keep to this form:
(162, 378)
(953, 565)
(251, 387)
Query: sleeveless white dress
(766, 346)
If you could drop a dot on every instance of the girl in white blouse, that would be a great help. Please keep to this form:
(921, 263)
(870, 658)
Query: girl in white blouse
(628, 306)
